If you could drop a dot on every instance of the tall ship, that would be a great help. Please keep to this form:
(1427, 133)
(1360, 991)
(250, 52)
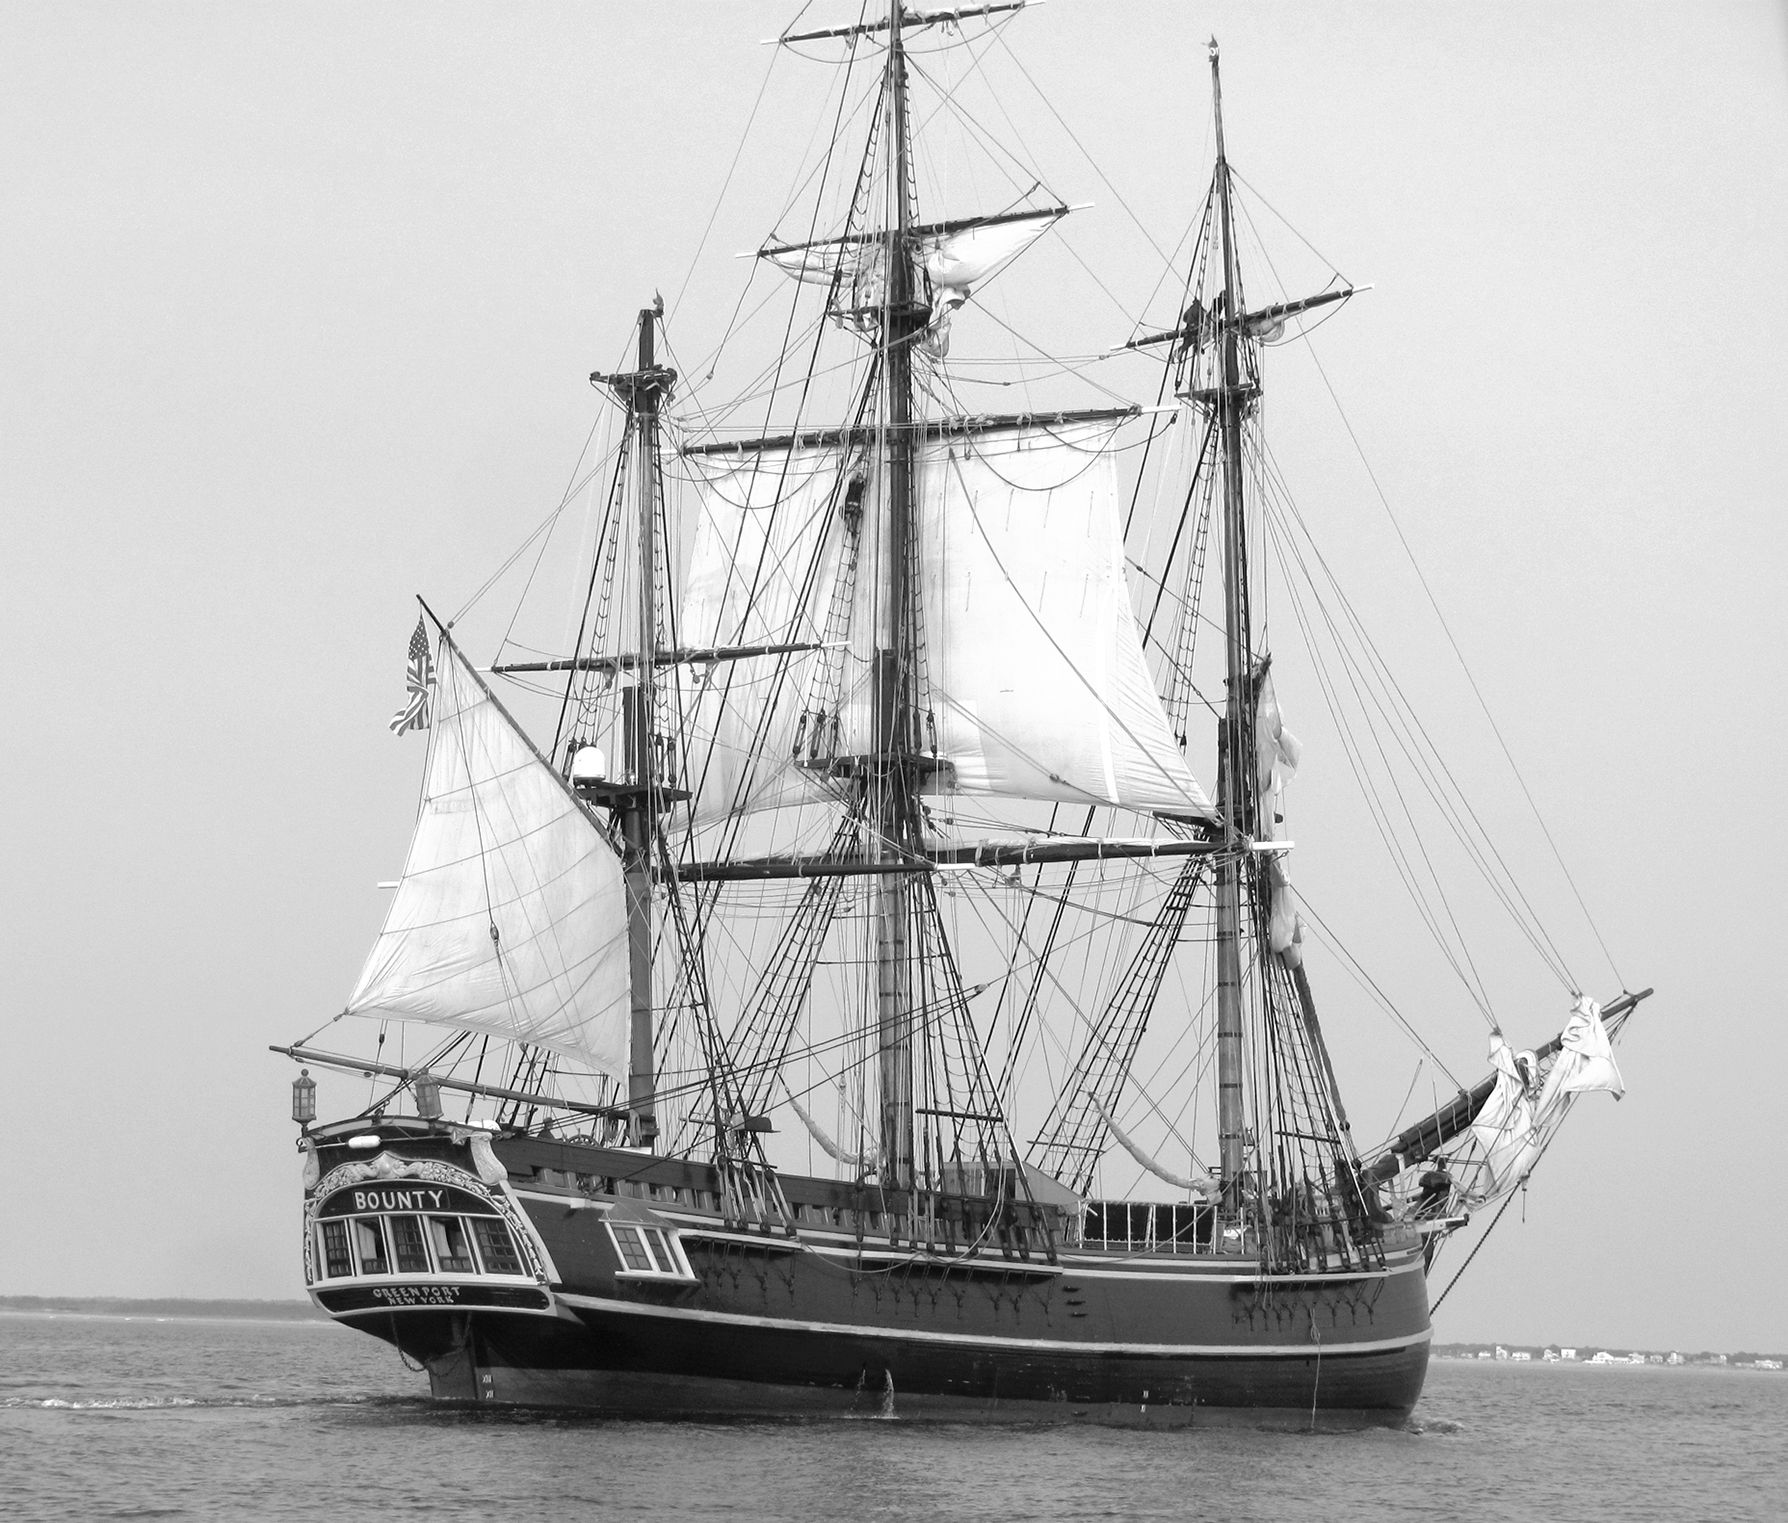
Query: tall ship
(873, 981)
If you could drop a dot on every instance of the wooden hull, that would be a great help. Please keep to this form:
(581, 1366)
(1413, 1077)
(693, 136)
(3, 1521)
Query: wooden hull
(822, 1323)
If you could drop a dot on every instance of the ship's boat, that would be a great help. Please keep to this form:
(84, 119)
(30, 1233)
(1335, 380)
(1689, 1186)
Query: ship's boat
(870, 996)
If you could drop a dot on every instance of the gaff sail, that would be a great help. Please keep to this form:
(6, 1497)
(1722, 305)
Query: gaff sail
(510, 918)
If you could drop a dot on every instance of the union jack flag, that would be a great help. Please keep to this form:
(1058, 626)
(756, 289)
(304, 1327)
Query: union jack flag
(419, 677)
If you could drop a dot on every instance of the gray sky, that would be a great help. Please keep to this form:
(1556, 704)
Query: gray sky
(297, 305)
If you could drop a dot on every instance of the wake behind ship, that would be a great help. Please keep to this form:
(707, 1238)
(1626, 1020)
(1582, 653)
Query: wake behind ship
(870, 817)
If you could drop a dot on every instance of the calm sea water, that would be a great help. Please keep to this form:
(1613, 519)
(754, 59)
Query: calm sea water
(125, 1418)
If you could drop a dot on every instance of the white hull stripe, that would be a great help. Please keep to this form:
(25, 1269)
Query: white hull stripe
(973, 1340)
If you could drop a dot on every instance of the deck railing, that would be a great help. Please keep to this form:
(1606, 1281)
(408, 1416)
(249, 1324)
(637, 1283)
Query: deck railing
(1147, 1227)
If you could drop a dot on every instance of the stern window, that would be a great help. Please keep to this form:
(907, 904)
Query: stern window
(452, 1252)
(369, 1246)
(336, 1260)
(494, 1247)
(408, 1246)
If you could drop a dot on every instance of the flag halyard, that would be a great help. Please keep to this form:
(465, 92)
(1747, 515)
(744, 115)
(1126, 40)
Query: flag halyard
(419, 678)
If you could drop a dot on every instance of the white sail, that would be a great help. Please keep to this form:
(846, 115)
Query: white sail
(952, 262)
(759, 574)
(1523, 1111)
(1033, 651)
(1034, 673)
(510, 918)
(1505, 1139)
(1585, 1060)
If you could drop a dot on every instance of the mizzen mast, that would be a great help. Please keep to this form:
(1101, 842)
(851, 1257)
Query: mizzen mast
(638, 802)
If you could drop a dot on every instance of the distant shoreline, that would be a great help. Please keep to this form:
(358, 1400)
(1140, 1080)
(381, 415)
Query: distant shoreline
(164, 1306)
(1602, 1356)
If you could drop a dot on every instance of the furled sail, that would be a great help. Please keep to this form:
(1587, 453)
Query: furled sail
(953, 260)
(510, 918)
(1035, 660)
(1199, 1184)
(1277, 753)
(1524, 1109)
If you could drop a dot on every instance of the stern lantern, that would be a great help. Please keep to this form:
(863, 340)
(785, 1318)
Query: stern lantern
(304, 1098)
(428, 1096)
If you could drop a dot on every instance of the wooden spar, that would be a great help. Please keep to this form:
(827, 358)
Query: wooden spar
(1433, 1132)
(1249, 321)
(683, 656)
(895, 21)
(1015, 854)
(930, 428)
(1313, 1030)
(1235, 759)
(918, 230)
(467, 1086)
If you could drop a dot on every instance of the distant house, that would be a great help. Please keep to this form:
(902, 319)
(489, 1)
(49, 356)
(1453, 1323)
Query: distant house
(1567, 1353)
(1601, 1356)
(1501, 1352)
(1769, 1364)
(1654, 1358)
(1550, 1356)
(1520, 1355)
(1676, 1359)
(1484, 1353)
(1635, 1359)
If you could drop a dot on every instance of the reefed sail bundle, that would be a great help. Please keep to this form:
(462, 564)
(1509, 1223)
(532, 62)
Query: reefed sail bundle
(510, 918)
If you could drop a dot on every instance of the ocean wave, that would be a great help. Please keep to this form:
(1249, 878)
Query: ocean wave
(159, 1403)
(1441, 1425)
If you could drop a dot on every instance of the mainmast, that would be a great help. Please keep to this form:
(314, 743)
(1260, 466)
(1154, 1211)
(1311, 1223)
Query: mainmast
(1234, 761)
(892, 779)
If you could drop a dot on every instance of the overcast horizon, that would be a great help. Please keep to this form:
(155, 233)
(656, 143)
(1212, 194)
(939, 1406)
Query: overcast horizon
(298, 310)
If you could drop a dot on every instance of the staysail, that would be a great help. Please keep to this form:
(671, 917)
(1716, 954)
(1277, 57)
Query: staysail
(510, 918)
